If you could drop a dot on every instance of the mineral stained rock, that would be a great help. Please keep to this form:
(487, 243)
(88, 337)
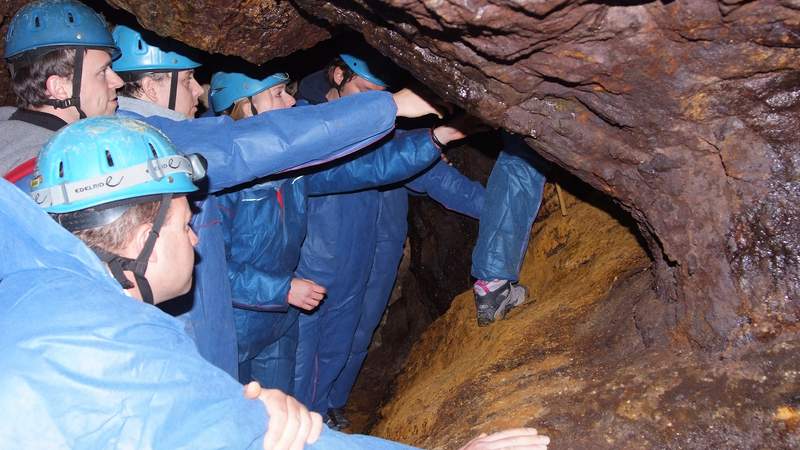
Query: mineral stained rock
(256, 30)
(686, 112)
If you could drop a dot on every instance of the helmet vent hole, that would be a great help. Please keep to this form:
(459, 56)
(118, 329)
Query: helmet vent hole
(153, 150)
(139, 44)
(61, 169)
(109, 159)
(36, 22)
(70, 18)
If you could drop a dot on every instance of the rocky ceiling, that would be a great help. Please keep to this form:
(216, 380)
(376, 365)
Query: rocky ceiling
(685, 112)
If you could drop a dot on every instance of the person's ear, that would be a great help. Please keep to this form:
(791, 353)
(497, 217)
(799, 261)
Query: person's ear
(137, 243)
(57, 87)
(149, 89)
(338, 76)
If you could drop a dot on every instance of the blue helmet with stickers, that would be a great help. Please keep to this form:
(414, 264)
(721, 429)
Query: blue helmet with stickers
(227, 88)
(53, 24)
(371, 69)
(140, 56)
(93, 171)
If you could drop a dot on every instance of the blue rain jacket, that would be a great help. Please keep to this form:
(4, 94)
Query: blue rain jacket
(513, 197)
(264, 227)
(339, 252)
(238, 152)
(86, 367)
(446, 185)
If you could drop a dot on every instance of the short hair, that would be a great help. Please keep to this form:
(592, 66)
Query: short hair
(346, 71)
(29, 74)
(133, 81)
(116, 235)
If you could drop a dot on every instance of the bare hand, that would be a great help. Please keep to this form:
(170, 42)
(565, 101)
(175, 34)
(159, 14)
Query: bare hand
(411, 104)
(459, 128)
(305, 294)
(517, 439)
(291, 425)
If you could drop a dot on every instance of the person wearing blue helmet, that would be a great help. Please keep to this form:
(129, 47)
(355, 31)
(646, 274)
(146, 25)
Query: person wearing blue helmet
(349, 234)
(59, 56)
(160, 89)
(267, 295)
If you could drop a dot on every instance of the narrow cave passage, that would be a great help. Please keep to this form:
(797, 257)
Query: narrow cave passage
(665, 299)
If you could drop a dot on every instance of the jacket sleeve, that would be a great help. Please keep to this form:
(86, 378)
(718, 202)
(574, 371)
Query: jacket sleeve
(292, 138)
(259, 290)
(250, 285)
(445, 184)
(396, 159)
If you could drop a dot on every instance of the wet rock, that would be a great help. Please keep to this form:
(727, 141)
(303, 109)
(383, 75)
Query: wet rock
(684, 111)
(256, 30)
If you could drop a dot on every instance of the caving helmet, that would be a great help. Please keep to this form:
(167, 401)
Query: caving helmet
(371, 69)
(94, 170)
(227, 88)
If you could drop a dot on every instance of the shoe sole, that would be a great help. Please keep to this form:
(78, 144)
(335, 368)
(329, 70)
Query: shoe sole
(508, 304)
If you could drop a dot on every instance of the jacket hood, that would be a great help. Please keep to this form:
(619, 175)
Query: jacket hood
(31, 240)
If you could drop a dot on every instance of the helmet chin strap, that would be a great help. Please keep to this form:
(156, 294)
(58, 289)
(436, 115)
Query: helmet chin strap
(173, 89)
(75, 100)
(119, 264)
(253, 109)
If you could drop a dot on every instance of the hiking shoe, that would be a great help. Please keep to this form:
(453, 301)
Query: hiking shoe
(336, 420)
(494, 299)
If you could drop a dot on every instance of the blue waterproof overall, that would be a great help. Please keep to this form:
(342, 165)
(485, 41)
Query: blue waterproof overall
(264, 227)
(85, 366)
(513, 197)
(338, 253)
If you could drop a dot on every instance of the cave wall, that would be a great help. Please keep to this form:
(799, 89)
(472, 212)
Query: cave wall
(683, 111)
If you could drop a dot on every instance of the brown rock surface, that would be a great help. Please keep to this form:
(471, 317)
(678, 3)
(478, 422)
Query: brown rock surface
(684, 111)
(572, 364)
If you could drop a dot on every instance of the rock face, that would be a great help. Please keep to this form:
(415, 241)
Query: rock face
(684, 111)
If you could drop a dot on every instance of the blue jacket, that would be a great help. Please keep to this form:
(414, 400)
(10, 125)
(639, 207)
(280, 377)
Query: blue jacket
(262, 258)
(86, 367)
(238, 152)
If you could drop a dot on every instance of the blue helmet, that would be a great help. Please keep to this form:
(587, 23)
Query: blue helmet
(51, 24)
(227, 88)
(360, 67)
(108, 160)
(139, 56)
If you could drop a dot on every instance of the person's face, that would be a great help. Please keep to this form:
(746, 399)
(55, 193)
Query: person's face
(273, 98)
(357, 85)
(187, 94)
(169, 272)
(99, 84)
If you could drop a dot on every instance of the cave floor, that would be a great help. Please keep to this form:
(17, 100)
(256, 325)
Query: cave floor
(572, 363)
